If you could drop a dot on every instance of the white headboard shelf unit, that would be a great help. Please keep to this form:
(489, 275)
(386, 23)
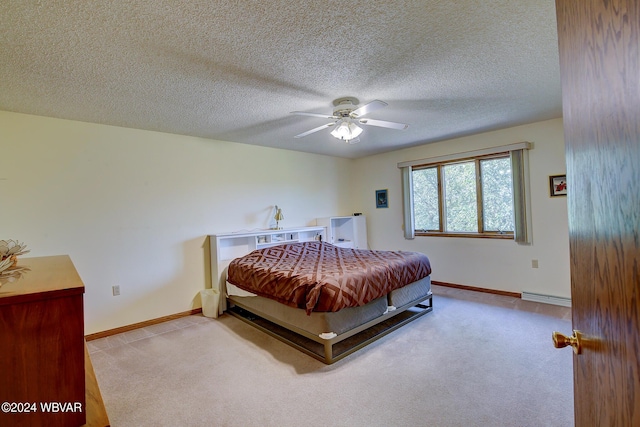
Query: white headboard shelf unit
(227, 246)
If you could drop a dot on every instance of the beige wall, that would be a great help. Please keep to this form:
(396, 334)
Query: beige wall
(486, 263)
(132, 208)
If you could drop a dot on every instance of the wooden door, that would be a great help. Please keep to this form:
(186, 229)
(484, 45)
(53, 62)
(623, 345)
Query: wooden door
(599, 61)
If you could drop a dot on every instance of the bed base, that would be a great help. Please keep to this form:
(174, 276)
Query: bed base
(333, 349)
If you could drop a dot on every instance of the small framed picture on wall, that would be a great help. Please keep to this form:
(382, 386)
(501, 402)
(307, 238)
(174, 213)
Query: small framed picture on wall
(558, 185)
(382, 200)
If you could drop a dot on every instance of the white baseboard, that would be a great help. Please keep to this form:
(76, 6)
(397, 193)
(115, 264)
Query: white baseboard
(547, 299)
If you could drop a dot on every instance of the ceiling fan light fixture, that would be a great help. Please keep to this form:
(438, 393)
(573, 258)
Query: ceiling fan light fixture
(346, 117)
(346, 130)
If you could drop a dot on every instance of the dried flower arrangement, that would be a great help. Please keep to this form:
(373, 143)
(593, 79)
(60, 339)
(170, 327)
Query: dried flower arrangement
(9, 252)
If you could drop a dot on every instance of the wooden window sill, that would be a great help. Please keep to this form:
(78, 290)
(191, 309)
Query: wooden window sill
(504, 236)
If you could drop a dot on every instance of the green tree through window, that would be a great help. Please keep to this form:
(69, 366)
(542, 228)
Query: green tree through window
(497, 194)
(473, 196)
(425, 185)
(460, 198)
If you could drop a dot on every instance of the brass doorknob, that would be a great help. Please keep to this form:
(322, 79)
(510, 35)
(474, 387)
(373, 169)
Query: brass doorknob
(575, 341)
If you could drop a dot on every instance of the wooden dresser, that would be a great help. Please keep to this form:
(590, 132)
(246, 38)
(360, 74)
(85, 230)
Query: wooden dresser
(42, 348)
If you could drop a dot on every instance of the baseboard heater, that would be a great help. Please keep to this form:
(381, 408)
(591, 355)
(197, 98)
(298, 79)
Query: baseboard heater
(548, 299)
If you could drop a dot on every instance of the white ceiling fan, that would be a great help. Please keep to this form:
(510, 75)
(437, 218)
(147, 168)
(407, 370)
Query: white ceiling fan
(346, 117)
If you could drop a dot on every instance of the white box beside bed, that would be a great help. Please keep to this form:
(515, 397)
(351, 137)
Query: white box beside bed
(346, 231)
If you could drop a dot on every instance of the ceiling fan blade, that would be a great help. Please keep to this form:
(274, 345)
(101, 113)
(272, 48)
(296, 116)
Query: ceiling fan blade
(319, 128)
(384, 124)
(368, 108)
(323, 116)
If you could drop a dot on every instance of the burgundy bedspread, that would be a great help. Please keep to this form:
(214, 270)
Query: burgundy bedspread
(318, 276)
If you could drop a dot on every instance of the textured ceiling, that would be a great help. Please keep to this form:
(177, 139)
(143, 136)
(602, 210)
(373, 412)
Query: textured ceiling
(234, 70)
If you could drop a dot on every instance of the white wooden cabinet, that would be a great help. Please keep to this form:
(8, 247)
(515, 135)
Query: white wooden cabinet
(224, 247)
(346, 231)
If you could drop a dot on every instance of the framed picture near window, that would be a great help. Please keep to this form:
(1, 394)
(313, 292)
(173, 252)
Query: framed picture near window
(381, 199)
(558, 185)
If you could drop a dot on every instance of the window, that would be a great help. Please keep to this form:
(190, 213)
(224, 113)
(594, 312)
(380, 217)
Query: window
(473, 194)
(471, 197)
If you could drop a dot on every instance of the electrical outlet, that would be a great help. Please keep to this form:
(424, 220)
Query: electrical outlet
(116, 290)
(534, 263)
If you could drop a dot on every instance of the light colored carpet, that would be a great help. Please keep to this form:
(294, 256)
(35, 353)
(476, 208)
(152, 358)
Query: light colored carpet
(476, 360)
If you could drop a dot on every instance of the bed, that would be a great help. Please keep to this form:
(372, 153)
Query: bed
(326, 300)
